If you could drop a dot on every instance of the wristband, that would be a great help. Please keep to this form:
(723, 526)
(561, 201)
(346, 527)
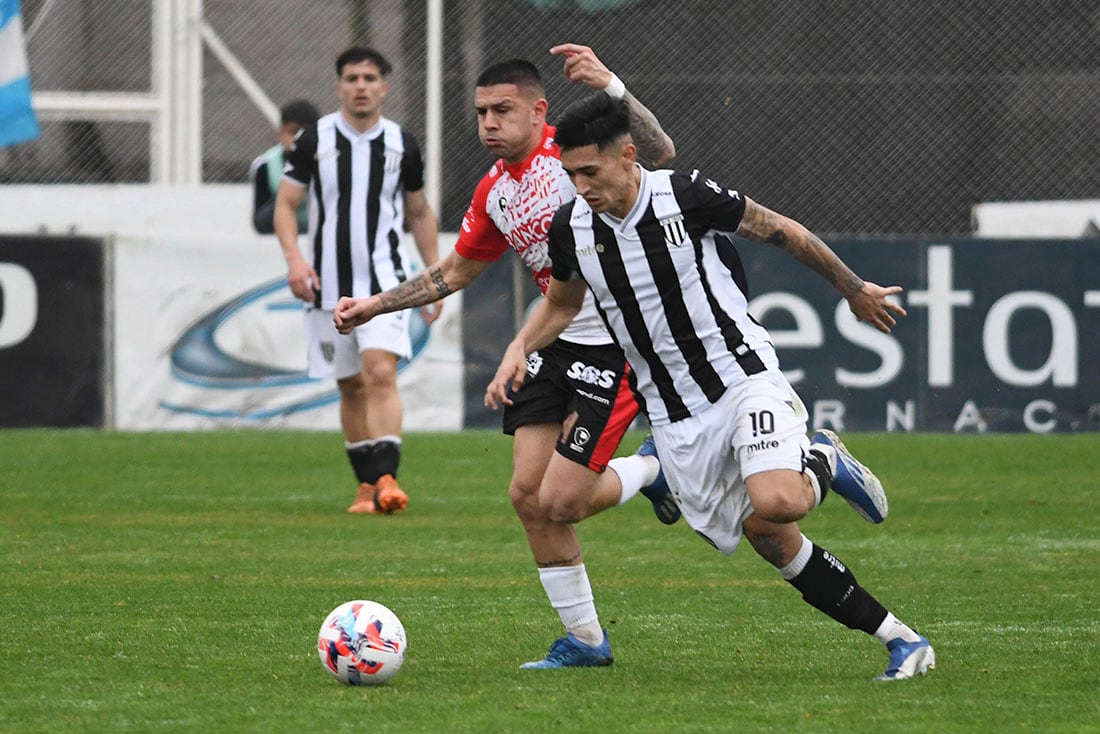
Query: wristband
(615, 88)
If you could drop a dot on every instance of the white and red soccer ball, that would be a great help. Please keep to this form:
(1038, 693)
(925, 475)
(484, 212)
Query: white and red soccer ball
(362, 643)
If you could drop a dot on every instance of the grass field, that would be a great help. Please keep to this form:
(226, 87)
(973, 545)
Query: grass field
(176, 582)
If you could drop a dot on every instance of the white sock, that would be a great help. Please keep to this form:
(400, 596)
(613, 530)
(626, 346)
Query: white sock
(800, 560)
(570, 594)
(635, 471)
(358, 444)
(391, 439)
(893, 628)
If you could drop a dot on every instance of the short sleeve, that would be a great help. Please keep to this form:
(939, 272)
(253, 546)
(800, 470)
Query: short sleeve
(479, 238)
(562, 244)
(302, 156)
(711, 204)
(412, 164)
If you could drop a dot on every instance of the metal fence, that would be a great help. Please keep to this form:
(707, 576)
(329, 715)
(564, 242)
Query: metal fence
(857, 116)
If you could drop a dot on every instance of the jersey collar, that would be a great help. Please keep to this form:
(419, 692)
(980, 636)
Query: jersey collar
(640, 203)
(351, 133)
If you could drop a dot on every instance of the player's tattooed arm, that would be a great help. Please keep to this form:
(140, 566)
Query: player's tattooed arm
(439, 280)
(439, 283)
(582, 66)
(763, 225)
(655, 147)
(428, 288)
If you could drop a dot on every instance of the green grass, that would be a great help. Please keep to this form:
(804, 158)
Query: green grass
(176, 582)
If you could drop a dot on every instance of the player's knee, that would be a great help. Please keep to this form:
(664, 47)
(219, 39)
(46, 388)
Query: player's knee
(525, 501)
(563, 508)
(379, 376)
(781, 505)
(352, 388)
(779, 497)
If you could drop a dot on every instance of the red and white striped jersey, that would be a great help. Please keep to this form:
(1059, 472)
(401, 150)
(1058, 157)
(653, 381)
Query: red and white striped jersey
(512, 208)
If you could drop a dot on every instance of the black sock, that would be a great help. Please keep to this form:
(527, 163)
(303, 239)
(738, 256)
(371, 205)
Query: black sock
(362, 463)
(828, 585)
(386, 457)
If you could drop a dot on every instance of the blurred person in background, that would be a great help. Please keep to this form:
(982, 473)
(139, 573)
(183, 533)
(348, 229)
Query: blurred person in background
(267, 170)
(365, 176)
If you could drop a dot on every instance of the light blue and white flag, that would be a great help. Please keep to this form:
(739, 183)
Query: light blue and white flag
(17, 121)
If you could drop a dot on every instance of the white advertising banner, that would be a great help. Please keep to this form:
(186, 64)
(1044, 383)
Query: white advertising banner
(1037, 219)
(208, 335)
(202, 329)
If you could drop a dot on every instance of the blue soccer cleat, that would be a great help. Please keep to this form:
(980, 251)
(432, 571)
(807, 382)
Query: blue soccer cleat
(908, 659)
(852, 480)
(569, 652)
(657, 492)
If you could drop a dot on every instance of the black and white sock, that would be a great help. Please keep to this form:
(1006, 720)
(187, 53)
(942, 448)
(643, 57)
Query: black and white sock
(360, 454)
(826, 584)
(387, 455)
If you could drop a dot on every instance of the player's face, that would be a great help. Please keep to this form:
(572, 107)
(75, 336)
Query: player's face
(606, 179)
(361, 89)
(509, 121)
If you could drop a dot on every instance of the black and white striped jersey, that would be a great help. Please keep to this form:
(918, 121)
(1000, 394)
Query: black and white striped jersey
(670, 286)
(357, 182)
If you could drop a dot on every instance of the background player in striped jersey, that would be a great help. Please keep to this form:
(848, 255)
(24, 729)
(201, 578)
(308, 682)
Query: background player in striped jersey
(570, 417)
(365, 177)
(652, 246)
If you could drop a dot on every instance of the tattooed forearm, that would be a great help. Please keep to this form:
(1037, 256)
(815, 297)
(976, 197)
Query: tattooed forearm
(428, 288)
(655, 147)
(442, 290)
(762, 224)
(821, 258)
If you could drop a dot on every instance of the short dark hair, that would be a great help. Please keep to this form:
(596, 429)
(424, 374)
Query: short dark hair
(298, 111)
(520, 72)
(357, 54)
(595, 120)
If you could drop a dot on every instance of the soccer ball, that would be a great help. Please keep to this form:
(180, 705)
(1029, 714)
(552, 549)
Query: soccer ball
(362, 643)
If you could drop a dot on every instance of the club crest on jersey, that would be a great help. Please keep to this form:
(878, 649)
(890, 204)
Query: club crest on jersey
(675, 232)
(534, 363)
(391, 161)
(542, 186)
(581, 436)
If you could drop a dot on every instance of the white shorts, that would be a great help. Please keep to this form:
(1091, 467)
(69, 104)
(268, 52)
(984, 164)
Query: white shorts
(334, 355)
(757, 426)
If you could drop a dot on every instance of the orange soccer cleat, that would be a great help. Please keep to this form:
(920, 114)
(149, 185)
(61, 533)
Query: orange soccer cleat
(364, 500)
(388, 497)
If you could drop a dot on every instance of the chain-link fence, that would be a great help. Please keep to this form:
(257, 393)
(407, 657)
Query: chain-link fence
(853, 116)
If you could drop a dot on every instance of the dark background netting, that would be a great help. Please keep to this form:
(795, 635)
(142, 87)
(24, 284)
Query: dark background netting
(863, 117)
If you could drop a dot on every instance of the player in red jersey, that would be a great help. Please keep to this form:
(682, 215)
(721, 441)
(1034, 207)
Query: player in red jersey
(570, 415)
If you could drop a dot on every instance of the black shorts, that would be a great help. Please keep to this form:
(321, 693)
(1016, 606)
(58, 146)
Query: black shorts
(586, 390)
